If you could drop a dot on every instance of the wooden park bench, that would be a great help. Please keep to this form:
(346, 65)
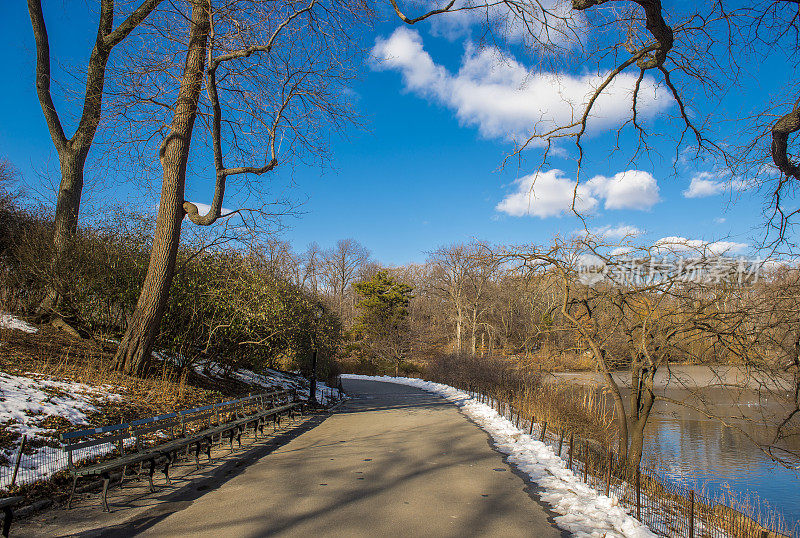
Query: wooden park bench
(7, 504)
(157, 441)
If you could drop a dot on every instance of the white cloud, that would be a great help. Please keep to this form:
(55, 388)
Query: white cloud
(503, 98)
(720, 220)
(632, 189)
(702, 185)
(620, 231)
(620, 251)
(549, 194)
(674, 244)
(706, 184)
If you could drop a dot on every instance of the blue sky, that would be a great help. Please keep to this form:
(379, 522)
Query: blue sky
(427, 169)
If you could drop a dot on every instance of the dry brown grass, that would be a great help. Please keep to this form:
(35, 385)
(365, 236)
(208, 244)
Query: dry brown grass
(551, 358)
(52, 353)
(573, 409)
(576, 409)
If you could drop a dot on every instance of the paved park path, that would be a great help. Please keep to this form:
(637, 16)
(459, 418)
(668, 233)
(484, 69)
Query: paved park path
(392, 461)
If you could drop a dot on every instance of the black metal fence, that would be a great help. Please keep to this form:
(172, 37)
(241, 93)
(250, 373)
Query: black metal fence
(666, 507)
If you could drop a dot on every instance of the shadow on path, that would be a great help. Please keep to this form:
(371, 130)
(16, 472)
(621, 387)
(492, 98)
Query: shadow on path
(185, 496)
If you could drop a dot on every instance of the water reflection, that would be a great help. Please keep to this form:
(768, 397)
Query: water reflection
(705, 454)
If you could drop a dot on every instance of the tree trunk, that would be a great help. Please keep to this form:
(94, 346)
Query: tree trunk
(133, 355)
(458, 331)
(474, 328)
(66, 224)
(644, 400)
(622, 419)
(69, 201)
(637, 444)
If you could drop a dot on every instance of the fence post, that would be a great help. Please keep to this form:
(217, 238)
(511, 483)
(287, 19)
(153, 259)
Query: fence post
(533, 421)
(18, 459)
(608, 472)
(586, 461)
(638, 494)
(691, 513)
(571, 445)
(560, 441)
(544, 431)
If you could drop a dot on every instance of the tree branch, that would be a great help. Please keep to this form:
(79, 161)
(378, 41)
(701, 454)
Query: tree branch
(415, 20)
(43, 74)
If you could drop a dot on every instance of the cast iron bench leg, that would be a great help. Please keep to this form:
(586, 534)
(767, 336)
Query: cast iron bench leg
(150, 475)
(122, 477)
(239, 436)
(106, 479)
(230, 440)
(209, 442)
(165, 470)
(9, 517)
(72, 491)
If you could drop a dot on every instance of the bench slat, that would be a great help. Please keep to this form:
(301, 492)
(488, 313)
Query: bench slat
(93, 431)
(95, 442)
(142, 421)
(10, 501)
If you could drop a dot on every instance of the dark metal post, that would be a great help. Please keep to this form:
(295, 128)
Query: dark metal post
(544, 431)
(571, 447)
(18, 459)
(312, 395)
(691, 514)
(638, 494)
(586, 461)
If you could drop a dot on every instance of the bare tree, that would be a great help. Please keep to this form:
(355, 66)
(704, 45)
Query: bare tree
(311, 266)
(7, 176)
(482, 270)
(636, 327)
(451, 269)
(272, 71)
(340, 269)
(73, 151)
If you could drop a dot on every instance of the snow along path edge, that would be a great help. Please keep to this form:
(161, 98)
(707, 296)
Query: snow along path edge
(584, 512)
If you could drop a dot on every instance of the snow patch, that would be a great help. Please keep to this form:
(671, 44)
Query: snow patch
(27, 402)
(268, 379)
(584, 512)
(7, 321)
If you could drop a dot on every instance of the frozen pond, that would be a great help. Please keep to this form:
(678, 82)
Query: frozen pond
(711, 457)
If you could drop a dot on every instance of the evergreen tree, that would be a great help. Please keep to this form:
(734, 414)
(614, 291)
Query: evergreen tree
(382, 327)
